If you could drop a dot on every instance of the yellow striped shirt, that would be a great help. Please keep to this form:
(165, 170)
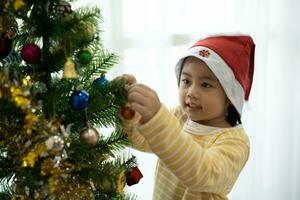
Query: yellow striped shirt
(195, 161)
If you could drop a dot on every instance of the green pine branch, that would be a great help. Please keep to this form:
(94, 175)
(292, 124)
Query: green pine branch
(6, 172)
(102, 61)
(91, 13)
(79, 152)
(114, 143)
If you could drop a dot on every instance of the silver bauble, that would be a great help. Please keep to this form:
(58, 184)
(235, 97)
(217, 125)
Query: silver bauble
(89, 136)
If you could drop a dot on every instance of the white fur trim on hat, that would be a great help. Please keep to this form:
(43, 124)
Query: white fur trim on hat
(222, 71)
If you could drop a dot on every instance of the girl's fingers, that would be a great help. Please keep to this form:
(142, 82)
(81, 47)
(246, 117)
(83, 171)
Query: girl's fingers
(137, 97)
(140, 88)
(138, 108)
(139, 85)
(143, 100)
(130, 79)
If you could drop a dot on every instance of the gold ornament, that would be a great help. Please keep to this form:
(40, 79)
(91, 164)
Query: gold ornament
(90, 32)
(107, 184)
(69, 69)
(89, 136)
(121, 182)
(18, 4)
(86, 31)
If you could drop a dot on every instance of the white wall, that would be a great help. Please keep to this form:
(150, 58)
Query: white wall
(149, 34)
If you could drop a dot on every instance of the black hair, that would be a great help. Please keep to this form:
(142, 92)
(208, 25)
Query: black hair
(233, 117)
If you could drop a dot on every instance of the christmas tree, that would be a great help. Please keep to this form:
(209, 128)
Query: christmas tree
(54, 97)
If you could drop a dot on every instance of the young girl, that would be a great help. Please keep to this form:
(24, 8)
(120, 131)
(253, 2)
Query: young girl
(201, 145)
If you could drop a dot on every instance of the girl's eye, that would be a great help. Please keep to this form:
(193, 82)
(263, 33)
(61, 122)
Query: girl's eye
(185, 81)
(206, 85)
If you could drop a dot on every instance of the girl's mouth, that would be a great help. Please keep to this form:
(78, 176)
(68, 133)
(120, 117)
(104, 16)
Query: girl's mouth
(192, 107)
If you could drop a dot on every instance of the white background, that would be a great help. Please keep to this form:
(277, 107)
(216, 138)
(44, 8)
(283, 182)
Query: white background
(148, 35)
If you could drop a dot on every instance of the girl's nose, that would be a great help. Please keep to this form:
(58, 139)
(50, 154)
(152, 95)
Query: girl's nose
(192, 92)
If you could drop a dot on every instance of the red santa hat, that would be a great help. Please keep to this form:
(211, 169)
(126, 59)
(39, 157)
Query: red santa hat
(231, 59)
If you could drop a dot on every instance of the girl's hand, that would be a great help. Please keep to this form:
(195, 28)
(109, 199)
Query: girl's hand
(143, 100)
(129, 79)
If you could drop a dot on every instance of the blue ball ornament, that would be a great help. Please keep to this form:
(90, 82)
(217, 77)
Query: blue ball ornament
(79, 100)
(101, 81)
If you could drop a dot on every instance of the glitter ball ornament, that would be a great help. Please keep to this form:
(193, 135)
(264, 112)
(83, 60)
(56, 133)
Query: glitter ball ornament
(31, 53)
(85, 57)
(127, 112)
(79, 100)
(86, 31)
(5, 47)
(89, 136)
(55, 144)
(101, 81)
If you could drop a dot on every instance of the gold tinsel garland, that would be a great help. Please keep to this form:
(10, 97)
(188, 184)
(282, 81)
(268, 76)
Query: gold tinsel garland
(39, 132)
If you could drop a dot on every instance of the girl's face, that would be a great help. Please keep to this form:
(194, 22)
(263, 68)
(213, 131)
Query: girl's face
(201, 95)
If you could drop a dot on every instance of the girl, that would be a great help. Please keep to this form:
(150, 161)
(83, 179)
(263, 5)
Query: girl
(201, 145)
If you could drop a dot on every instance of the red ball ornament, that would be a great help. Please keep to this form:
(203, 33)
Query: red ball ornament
(5, 47)
(31, 53)
(127, 112)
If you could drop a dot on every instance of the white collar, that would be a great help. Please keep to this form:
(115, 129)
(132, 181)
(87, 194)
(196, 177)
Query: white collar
(200, 129)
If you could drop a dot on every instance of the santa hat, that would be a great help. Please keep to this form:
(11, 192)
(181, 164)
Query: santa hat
(231, 59)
